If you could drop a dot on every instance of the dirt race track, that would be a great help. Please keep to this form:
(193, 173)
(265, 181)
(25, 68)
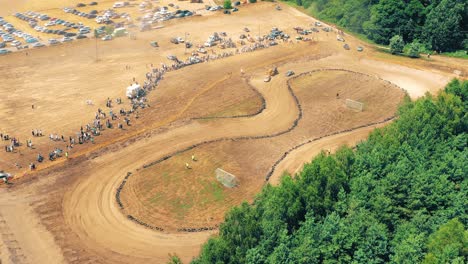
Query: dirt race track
(67, 210)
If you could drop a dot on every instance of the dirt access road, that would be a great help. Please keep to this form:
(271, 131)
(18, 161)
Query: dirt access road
(70, 207)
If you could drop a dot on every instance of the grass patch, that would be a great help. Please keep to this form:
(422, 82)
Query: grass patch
(212, 192)
(461, 54)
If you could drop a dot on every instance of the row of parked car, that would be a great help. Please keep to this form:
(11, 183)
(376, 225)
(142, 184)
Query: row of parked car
(55, 22)
(9, 33)
(83, 5)
(36, 15)
(92, 14)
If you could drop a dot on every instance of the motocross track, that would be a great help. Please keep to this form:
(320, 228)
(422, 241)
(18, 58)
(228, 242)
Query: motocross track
(67, 213)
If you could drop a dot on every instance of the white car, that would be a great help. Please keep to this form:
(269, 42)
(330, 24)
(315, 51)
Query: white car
(209, 44)
(38, 45)
(84, 30)
(66, 39)
(118, 5)
(107, 37)
(53, 41)
(5, 176)
(16, 43)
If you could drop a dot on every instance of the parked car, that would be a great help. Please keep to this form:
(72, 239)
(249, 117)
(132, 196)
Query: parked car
(2, 44)
(16, 43)
(80, 5)
(93, 3)
(80, 36)
(289, 73)
(107, 37)
(359, 48)
(53, 41)
(31, 40)
(38, 45)
(66, 39)
(4, 51)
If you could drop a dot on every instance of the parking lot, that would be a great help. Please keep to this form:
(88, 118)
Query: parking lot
(26, 29)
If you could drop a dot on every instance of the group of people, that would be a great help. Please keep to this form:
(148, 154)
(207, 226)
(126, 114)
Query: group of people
(153, 77)
(14, 142)
(36, 133)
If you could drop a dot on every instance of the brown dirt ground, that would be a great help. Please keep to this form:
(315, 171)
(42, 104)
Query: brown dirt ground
(156, 196)
(70, 205)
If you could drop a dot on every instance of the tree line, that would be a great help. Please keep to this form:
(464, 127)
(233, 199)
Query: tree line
(440, 25)
(398, 197)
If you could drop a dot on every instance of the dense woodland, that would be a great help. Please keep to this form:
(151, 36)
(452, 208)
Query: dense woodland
(440, 25)
(399, 197)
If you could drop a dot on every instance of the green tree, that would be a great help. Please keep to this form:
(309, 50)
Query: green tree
(227, 4)
(443, 26)
(414, 49)
(449, 244)
(396, 44)
(174, 259)
(387, 19)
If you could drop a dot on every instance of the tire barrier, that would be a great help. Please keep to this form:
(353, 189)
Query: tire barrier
(273, 168)
(200, 229)
(119, 189)
(136, 220)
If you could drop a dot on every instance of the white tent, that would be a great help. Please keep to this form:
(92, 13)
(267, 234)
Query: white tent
(132, 90)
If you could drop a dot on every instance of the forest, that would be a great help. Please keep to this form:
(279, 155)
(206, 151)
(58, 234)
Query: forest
(398, 197)
(438, 25)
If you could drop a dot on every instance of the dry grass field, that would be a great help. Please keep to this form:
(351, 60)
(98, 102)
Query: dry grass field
(221, 111)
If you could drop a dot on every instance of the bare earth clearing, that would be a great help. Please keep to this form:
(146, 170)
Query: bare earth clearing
(66, 211)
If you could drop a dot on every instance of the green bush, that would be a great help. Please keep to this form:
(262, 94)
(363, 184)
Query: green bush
(396, 44)
(227, 4)
(414, 49)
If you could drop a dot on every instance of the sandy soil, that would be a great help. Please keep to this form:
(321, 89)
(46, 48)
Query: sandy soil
(156, 196)
(71, 204)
